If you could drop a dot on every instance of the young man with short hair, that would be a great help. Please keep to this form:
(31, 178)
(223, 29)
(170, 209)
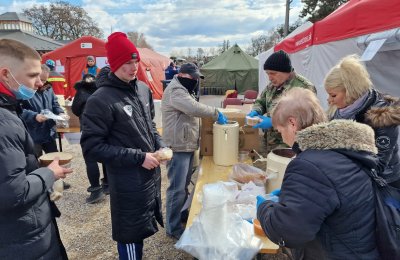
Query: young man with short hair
(118, 131)
(27, 216)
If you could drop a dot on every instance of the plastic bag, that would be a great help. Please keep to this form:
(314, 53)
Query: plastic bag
(50, 115)
(57, 190)
(218, 233)
(62, 124)
(249, 192)
(243, 173)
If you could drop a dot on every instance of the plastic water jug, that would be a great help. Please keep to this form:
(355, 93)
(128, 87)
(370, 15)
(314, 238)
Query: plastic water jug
(226, 143)
(277, 161)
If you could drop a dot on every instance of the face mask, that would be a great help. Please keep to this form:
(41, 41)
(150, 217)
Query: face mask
(23, 92)
(189, 84)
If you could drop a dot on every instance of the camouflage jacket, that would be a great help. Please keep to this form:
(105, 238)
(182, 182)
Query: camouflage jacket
(269, 97)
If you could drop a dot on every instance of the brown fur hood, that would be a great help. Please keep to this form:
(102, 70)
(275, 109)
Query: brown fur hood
(338, 134)
(384, 113)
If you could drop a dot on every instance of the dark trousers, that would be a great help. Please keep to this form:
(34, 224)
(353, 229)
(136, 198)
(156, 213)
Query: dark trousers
(93, 173)
(130, 251)
(50, 147)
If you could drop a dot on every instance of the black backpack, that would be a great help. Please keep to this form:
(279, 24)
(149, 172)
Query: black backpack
(387, 212)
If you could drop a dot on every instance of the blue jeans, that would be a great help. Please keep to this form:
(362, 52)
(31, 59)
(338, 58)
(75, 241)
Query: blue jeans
(179, 175)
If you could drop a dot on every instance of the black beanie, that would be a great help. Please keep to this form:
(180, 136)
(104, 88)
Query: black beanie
(278, 61)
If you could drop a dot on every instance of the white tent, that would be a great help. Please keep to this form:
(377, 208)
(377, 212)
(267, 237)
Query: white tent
(357, 26)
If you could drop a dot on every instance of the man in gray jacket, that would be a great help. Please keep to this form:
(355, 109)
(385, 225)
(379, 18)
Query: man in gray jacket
(181, 130)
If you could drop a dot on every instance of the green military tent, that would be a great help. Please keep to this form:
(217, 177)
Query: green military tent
(233, 67)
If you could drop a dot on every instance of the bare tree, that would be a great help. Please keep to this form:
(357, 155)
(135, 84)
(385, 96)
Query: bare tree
(224, 47)
(200, 53)
(189, 52)
(62, 21)
(139, 40)
(281, 28)
(263, 43)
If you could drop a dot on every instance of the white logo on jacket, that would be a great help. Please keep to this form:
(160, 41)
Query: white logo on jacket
(383, 142)
(128, 110)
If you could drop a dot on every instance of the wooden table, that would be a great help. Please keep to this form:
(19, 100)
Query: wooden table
(210, 173)
(66, 130)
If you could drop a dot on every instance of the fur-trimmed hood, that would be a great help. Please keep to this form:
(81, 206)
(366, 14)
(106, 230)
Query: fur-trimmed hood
(337, 134)
(384, 113)
(89, 87)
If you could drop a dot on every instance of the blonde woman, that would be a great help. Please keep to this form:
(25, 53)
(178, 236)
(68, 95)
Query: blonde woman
(326, 208)
(352, 96)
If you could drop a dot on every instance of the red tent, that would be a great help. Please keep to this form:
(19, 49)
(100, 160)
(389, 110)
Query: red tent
(71, 60)
(354, 18)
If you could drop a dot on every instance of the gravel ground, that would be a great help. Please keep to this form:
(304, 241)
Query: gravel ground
(86, 229)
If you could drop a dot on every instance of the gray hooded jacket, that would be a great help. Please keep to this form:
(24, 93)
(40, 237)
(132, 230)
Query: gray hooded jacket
(180, 117)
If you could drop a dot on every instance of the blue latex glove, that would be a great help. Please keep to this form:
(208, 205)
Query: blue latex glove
(222, 120)
(266, 123)
(270, 196)
(253, 113)
(276, 192)
(250, 221)
(260, 200)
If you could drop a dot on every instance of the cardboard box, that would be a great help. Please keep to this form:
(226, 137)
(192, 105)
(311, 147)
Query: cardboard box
(73, 119)
(248, 136)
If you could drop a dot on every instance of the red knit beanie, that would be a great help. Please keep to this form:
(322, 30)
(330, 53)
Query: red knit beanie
(120, 50)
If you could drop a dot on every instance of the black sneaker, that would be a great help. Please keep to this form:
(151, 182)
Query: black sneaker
(95, 196)
(66, 185)
(106, 190)
(91, 188)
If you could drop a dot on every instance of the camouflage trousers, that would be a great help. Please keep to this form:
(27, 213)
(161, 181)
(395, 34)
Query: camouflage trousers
(273, 140)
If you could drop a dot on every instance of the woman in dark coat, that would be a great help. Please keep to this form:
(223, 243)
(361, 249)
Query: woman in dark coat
(326, 207)
(351, 96)
(84, 89)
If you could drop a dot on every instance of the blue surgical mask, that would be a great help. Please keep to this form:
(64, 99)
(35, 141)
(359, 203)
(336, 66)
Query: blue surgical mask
(23, 92)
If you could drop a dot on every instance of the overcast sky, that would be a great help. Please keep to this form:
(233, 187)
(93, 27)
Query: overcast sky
(176, 25)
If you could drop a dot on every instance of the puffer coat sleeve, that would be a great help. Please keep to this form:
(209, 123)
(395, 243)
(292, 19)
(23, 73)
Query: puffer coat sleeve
(19, 188)
(307, 198)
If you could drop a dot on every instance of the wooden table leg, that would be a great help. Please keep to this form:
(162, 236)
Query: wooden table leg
(59, 141)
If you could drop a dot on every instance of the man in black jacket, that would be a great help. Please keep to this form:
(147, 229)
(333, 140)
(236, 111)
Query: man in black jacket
(27, 224)
(118, 130)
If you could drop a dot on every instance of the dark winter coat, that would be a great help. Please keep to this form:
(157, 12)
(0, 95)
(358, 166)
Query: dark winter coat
(26, 229)
(83, 91)
(382, 113)
(118, 131)
(46, 131)
(326, 209)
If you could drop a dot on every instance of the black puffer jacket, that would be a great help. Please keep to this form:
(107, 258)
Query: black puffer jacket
(118, 131)
(326, 209)
(382, 113)
(26, 229)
